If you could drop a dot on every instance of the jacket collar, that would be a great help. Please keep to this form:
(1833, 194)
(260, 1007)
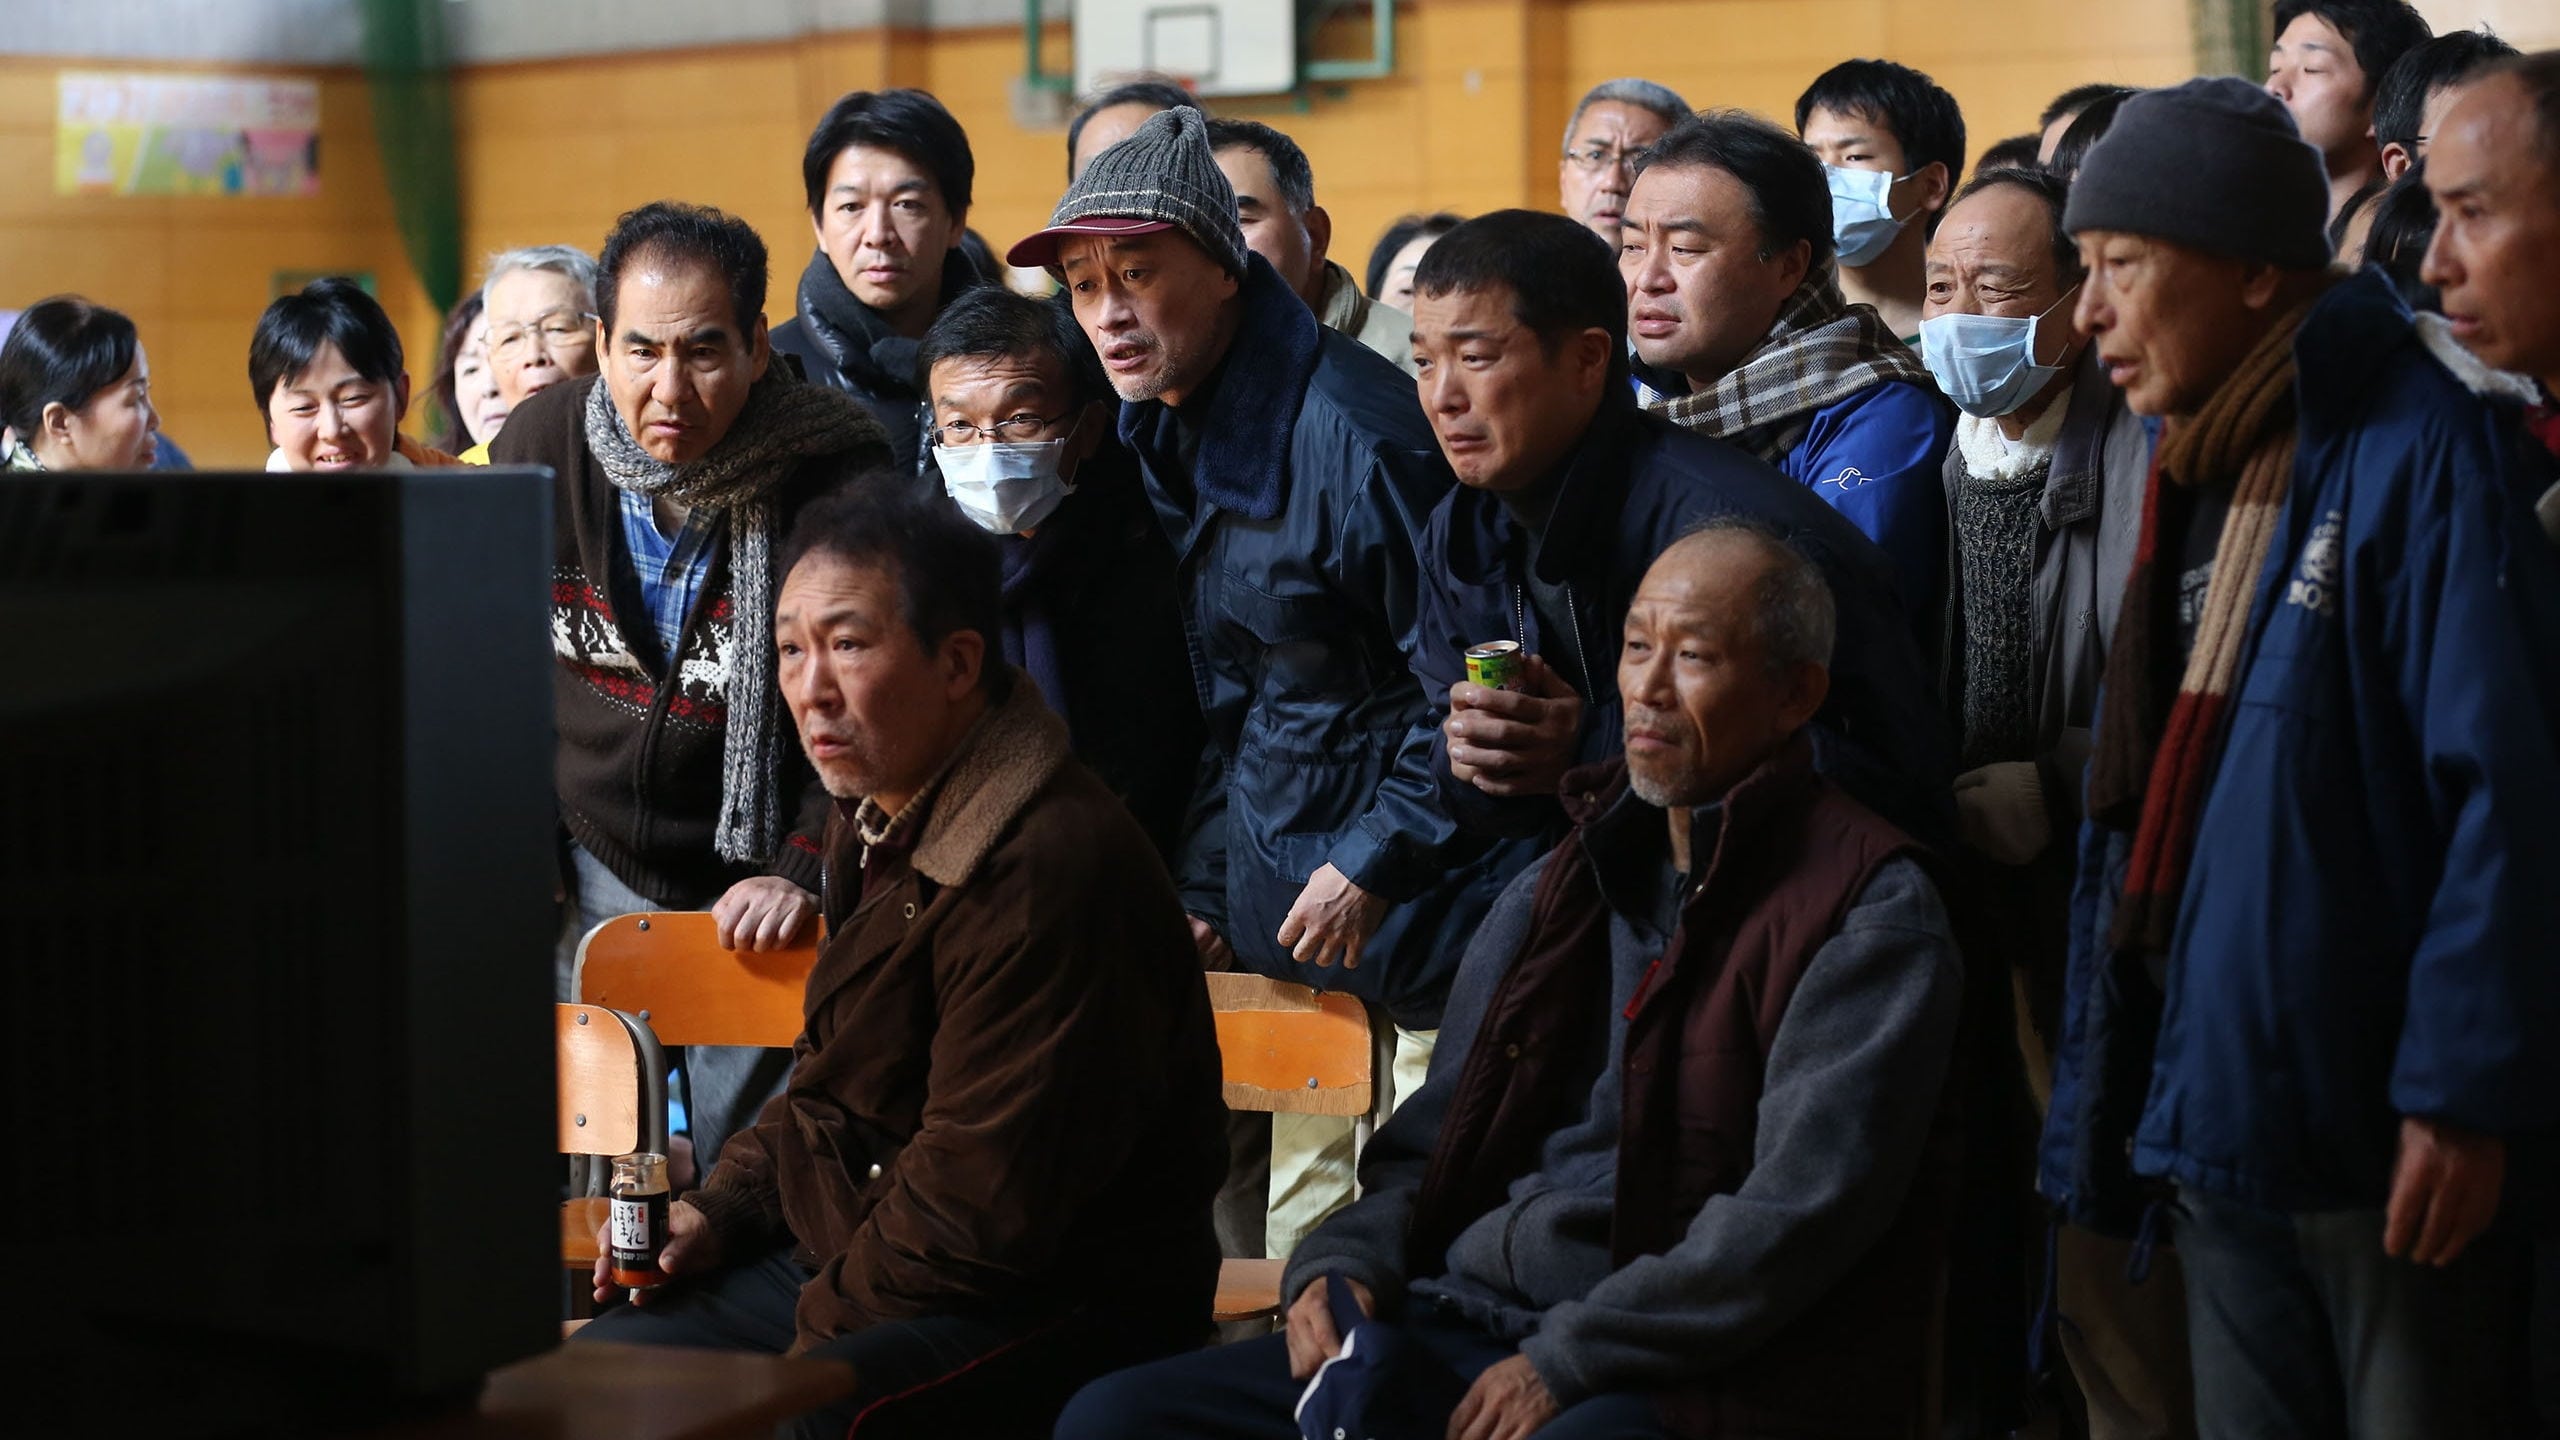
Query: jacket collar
(853, 335)
(2338, 352)
(1345, 309)
(1008, 758)
(2073, 486)
(1250, 408)
(1624, 836)
(1590, 494)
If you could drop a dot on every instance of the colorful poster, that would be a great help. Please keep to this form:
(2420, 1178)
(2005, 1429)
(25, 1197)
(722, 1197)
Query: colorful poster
(160, 134)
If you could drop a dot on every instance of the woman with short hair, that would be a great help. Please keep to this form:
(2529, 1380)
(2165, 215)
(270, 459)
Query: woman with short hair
(75, 390)
(466, 388)
(326, 367)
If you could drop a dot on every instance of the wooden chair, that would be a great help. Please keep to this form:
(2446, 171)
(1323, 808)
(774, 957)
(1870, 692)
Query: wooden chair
(613, 1101)
(667, 967)
(1285, 1049)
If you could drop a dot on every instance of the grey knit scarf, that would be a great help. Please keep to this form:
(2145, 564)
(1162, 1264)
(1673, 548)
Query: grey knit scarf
(784, 422)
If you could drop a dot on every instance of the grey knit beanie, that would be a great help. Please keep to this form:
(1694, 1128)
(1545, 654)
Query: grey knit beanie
(2216, 164)
(1161, 178)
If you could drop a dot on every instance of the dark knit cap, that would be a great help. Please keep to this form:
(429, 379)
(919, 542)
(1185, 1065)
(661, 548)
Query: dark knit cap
(1161, 178)
(2215, 164)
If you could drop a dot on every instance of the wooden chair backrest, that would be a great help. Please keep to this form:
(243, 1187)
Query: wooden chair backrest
(601, 1084)
(667, 967)
(1288, 1049)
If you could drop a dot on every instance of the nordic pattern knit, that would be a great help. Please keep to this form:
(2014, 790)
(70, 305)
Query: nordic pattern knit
(642, 739)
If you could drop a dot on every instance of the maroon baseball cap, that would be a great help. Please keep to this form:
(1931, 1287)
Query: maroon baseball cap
(1040, 248)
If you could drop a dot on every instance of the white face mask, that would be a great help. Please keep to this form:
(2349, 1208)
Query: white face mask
(1987, 363)
(1862, 223)
(1005, 486)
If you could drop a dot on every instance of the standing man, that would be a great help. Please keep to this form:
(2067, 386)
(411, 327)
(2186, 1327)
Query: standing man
(2315, 856)
(540, 308)
(1293, 472)
(1115, 114)
(2496, 255)
(1276, 206)
(1566, 493)
(2329, 58)
(1615, 120)
(1741, 333)
(1023, 445)
(989, 1180)
(2044, 487)
(1891, 142)
(678, 468)
(888, 177)
(2409, 105)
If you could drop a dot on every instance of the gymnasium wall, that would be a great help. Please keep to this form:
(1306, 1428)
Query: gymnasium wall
(551, 149)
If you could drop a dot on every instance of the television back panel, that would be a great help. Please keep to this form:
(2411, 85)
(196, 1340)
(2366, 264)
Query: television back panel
(276, 831)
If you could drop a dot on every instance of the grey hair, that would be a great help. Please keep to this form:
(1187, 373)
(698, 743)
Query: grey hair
(567, 260)
(1662, 100)
(1792, 611)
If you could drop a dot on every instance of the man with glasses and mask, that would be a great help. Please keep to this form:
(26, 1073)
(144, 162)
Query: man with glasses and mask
(1022, 436)
(541, 304)
(1616, 119)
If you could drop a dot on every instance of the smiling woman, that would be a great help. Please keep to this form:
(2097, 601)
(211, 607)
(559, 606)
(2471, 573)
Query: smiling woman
(326, 367)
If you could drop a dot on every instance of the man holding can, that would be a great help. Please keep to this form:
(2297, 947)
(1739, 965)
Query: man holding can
(1566, 493)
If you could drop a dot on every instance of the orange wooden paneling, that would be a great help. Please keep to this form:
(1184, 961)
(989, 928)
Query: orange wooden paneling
(554, 150)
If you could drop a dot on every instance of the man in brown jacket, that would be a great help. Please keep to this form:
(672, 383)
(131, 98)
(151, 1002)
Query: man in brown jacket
(989, 1178)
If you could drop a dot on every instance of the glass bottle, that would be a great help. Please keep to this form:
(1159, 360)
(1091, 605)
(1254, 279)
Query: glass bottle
(638, 1228)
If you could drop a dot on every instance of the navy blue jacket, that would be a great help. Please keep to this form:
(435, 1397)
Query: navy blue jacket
(1294, 487)
(2368, 929)
(1634, 484)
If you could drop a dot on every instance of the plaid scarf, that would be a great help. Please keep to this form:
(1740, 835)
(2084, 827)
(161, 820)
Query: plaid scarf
(1822, 351)
(2155, 754)
(784, 422)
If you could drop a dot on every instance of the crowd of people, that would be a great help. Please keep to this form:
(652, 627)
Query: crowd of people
(1937, 779)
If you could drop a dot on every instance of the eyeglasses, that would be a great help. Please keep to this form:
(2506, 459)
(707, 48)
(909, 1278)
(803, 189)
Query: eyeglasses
(1592, 159)
(560, 330)
(1016, 428)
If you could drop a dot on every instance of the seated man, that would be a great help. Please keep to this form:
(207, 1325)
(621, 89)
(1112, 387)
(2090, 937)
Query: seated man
(1740, 332)
(989, 1179)
(1676, 1170)
(1025, 444)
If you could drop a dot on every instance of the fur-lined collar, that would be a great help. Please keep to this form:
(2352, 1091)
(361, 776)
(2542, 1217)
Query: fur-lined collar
(2436, 333)
(1011, 757)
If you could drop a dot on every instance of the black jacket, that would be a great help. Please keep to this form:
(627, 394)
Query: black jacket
(1093, 614)
(1633, 484)
(1294, 487)
(840, 341)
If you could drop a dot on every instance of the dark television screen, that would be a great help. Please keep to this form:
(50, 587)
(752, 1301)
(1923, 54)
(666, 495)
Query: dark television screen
(275, 876)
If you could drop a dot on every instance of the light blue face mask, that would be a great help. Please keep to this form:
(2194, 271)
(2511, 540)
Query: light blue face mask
(1862, 223)
(1987, 363)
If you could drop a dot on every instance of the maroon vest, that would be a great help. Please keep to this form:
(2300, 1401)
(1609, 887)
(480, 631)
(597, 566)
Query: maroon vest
(1792, 855)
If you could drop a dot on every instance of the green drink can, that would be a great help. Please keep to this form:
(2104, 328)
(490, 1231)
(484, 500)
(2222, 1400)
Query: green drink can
(1496, 664)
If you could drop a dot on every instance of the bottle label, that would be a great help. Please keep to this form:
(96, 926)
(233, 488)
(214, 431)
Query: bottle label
(639, 1230)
